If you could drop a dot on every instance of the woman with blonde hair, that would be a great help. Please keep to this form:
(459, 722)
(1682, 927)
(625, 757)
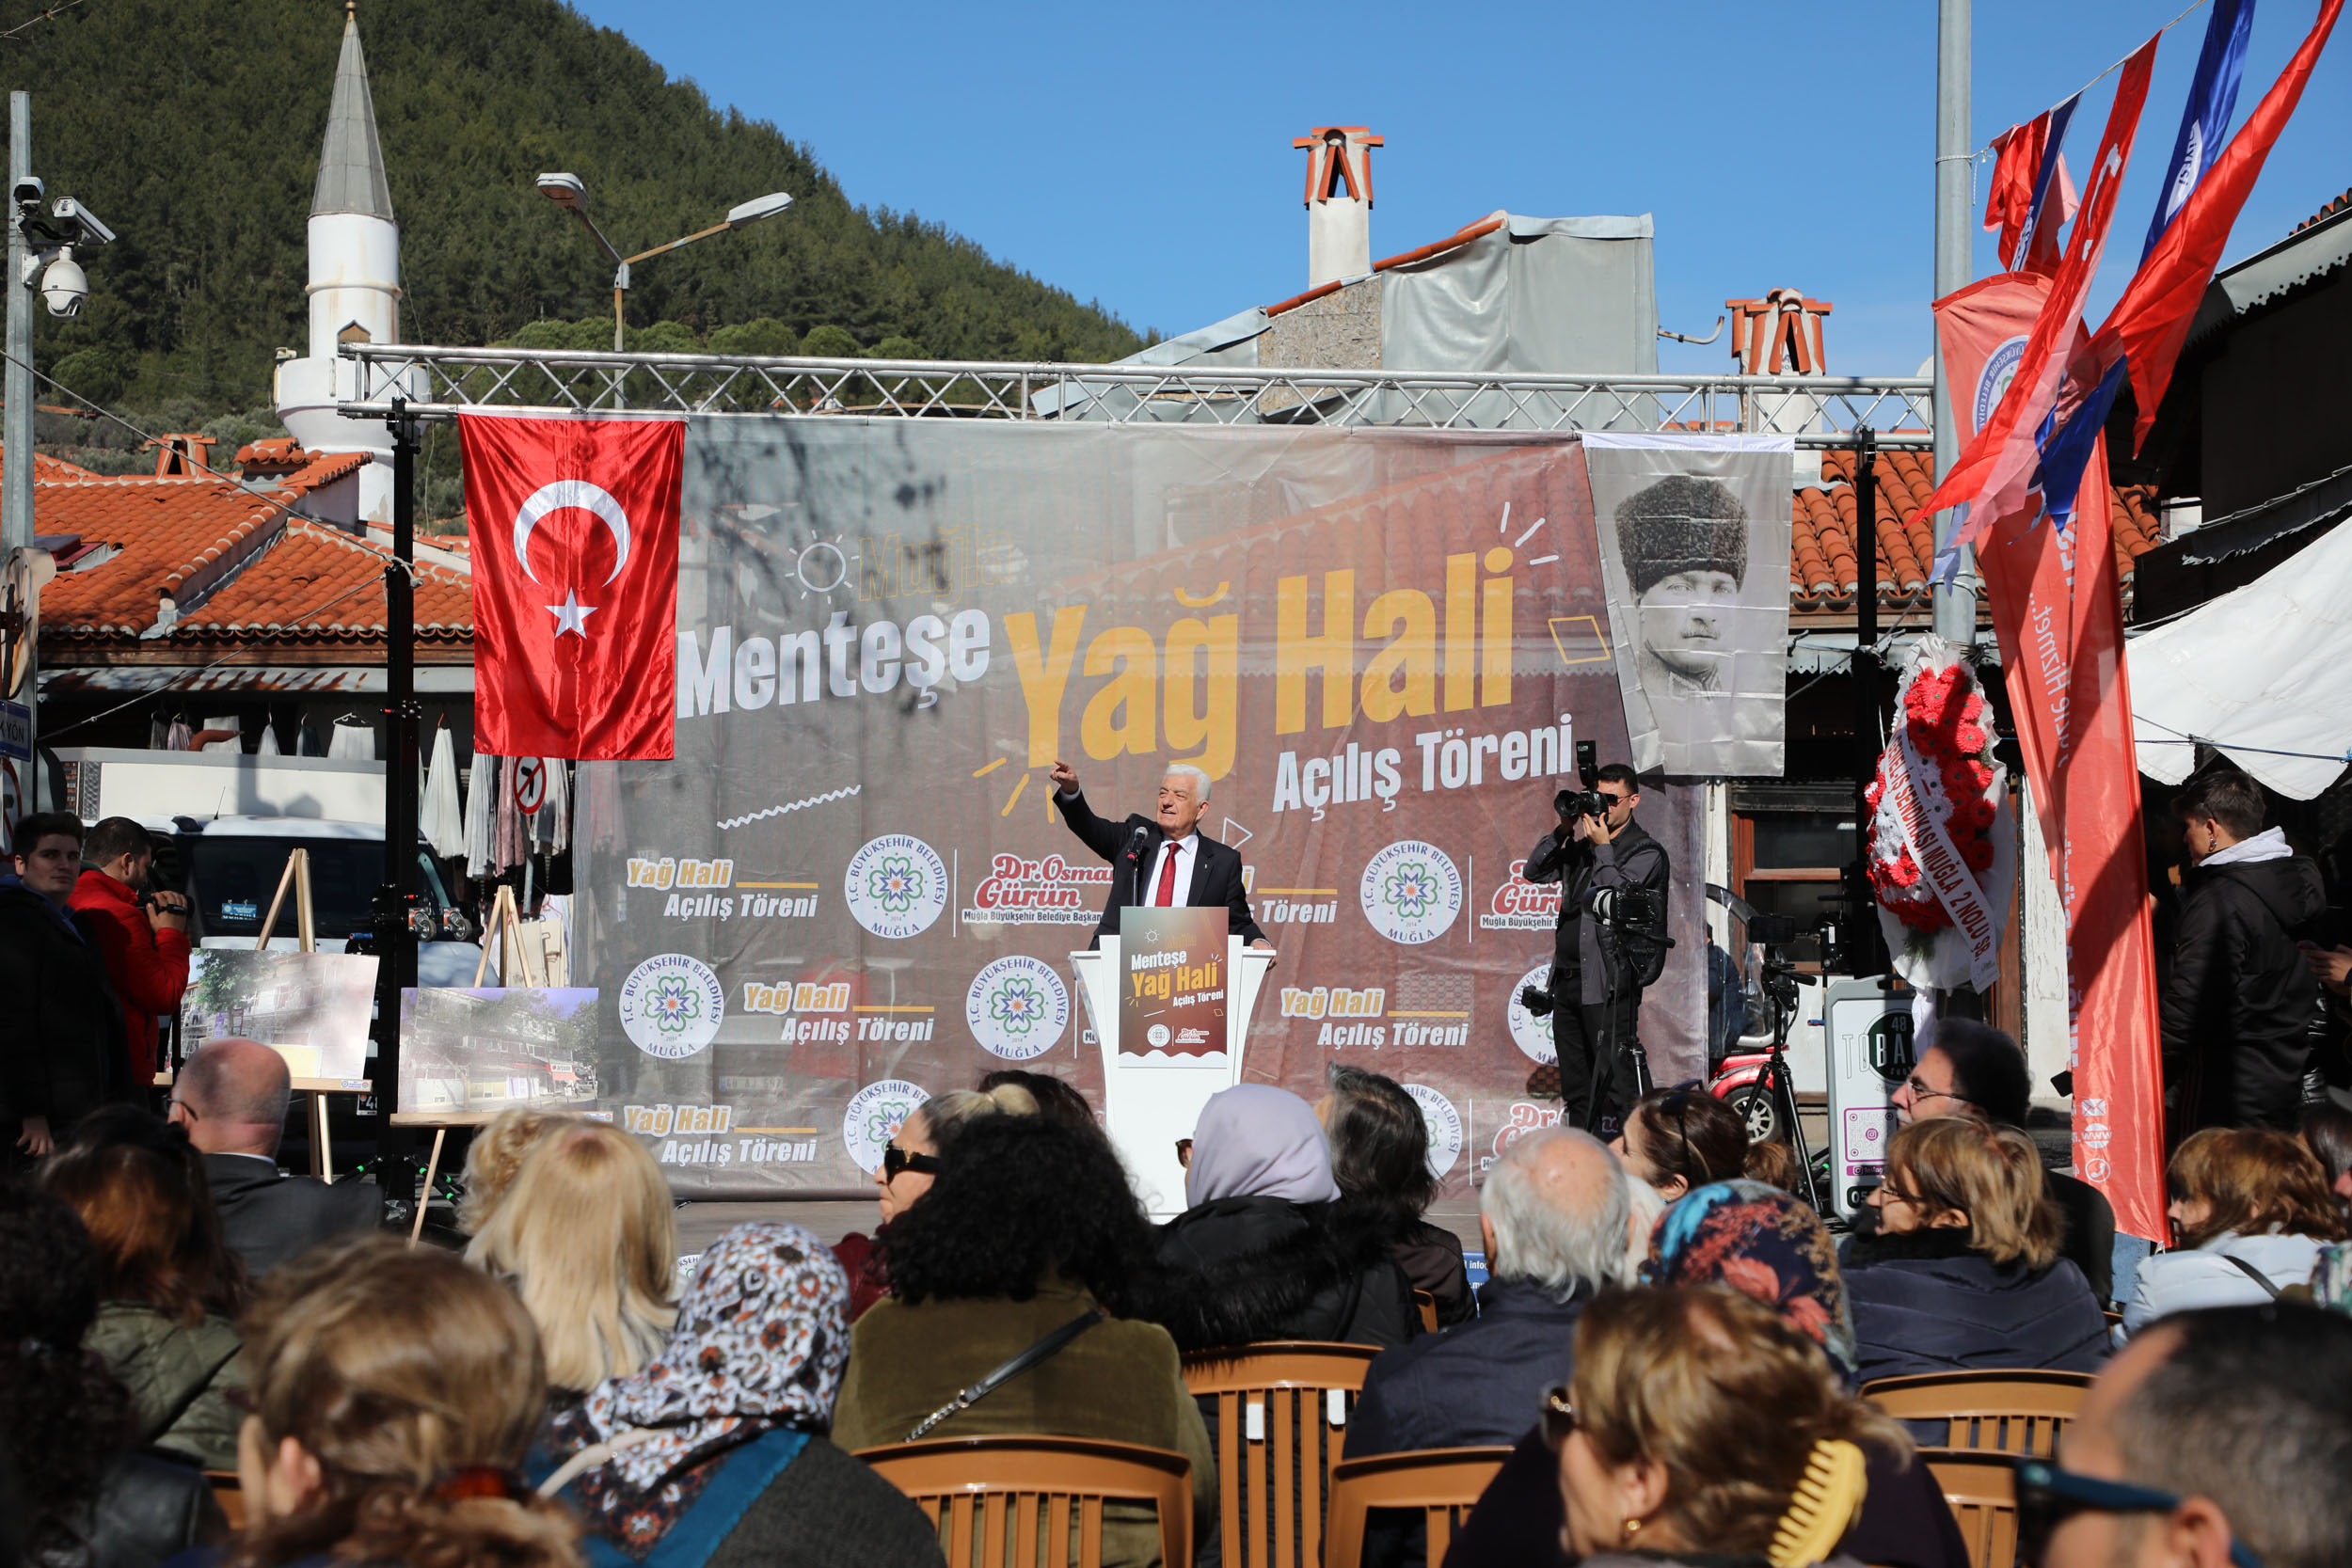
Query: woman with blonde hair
(1701, 1424)
(394, 1395)
(496, 1157)
(588, 1238)
(1964, 1271)
(2250, 1210)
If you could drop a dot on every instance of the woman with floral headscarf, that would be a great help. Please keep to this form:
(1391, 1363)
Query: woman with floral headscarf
(715, 1453)
(1765, 1243)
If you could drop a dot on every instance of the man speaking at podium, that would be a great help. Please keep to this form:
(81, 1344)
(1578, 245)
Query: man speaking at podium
(1164, 861)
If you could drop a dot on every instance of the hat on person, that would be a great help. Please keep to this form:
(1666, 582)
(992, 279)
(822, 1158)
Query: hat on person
(1681, 524)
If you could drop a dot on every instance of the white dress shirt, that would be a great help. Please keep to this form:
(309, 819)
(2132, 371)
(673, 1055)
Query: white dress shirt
(1184, 849)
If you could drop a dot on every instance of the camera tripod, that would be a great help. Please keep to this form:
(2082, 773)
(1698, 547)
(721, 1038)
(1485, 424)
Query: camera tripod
(1780, 985)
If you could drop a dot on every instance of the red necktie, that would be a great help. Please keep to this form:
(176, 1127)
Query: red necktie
(1165, 897)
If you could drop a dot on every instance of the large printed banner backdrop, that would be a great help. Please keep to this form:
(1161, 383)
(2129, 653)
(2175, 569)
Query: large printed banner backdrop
(850, 890)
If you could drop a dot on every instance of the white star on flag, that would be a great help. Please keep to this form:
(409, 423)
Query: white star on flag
(571, 615)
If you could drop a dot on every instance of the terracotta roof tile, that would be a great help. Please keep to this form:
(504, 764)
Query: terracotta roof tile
(2338, 205)
(1823, 566)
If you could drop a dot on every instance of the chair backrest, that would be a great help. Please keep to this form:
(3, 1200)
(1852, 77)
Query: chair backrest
(229, 1492)
(1982, 1488)
(1280, 1416)
(1427, 1306)
(2003, 1411)
(1034, 1501)
(1442, 1482)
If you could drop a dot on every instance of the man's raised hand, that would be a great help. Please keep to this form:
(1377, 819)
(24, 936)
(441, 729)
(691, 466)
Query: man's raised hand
(1064, 776)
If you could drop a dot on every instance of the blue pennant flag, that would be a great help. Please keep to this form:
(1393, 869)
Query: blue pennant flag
(2205, 117)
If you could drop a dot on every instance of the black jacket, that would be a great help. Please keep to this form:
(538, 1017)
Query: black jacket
(1246, 1269)
(1215, 868)
(1479, 1381)
(2089, 1240)
(61, 1048)
(1928, 1302)
(1580, 866)
(2240, 996)
(148, 1510)
(268, 1218)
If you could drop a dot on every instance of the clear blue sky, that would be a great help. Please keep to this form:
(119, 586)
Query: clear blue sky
(1140, 155)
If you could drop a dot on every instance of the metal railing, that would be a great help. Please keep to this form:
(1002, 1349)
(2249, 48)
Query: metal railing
(1818, 411)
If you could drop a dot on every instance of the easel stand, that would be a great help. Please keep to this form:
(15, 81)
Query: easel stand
(505, 923)
(297, 878)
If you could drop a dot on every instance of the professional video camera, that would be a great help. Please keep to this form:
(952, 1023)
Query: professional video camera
(1588, 802)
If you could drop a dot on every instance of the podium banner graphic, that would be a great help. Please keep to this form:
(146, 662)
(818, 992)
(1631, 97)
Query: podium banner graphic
(1381, 645)
(1172, 987)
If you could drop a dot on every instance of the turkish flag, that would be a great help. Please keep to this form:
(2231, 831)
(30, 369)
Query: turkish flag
(574, 527)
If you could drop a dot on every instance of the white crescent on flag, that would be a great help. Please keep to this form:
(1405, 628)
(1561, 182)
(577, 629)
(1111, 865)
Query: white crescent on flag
(566, 493)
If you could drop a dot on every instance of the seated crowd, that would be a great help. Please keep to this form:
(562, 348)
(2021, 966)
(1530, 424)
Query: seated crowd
(1669, 1345)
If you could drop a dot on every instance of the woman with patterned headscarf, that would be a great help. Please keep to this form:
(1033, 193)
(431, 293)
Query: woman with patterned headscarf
(1767, 1245)
(715, 1451)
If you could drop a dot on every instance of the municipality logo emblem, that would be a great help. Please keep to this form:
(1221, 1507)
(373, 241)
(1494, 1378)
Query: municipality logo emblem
(875, 1115)
(2000, 369)
(671, 1006)
(895, 886)
(1017, 1007)
(1445, 1127)
(1532, 1035)
(1411, 892)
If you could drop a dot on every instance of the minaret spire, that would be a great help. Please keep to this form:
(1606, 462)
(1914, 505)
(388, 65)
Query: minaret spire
(351, 168)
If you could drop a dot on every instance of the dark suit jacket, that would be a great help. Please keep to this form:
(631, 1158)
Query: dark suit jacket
(1215, 868)
(269, 1218)
(1479, 1381)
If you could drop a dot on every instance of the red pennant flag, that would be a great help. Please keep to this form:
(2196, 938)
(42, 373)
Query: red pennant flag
(2151, 322)
(575, 526)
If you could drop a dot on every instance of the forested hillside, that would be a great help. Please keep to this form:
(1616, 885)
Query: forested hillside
(193, 127)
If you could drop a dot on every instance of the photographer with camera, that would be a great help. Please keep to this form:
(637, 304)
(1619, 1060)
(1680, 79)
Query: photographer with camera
(1610, 943)
(142, 934)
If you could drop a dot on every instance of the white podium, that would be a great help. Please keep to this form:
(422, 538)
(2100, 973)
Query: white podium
(1148, 1105)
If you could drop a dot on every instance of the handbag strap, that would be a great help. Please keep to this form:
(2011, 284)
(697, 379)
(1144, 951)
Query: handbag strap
(2253, 1274)
(1041, 1351)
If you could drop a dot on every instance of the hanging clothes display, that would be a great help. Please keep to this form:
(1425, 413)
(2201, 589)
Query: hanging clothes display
(234, 742)
(555, 817)
(179, 736)
(269, 747)
(600, 825)
(438, 817)
(353, 739)
(481, 793)
(510, 851)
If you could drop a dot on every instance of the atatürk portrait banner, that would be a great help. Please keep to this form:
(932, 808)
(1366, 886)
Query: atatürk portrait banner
(1694, 539)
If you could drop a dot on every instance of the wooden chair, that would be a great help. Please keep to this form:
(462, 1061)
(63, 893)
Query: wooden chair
(1442, 1482)
(1036, 1501)
(1982, 1488)
(229, 1492)
(1281, 1411)
(2000, 1411)
(1427, 1305)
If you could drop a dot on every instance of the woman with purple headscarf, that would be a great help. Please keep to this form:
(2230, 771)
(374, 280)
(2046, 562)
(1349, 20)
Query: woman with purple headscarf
(1268, 1249)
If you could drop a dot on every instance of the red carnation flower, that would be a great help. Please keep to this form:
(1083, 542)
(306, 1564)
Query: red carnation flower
(1978, 852)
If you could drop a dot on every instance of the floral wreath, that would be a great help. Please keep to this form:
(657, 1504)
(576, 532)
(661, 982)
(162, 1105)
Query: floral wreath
(1943, 719)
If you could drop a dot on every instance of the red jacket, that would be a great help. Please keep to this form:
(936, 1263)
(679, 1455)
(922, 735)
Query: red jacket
(150, 968)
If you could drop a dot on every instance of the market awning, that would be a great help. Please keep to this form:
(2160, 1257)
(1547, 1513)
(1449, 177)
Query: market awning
(2258, 674)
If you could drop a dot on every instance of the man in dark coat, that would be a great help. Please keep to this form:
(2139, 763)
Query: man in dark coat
(61, 1046)
(1553, 1213)
(2238, 1004)
(1161, 859)
(1594, 1024)
(231, 1098)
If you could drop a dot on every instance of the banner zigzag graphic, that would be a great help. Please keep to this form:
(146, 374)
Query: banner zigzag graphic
(790, 805)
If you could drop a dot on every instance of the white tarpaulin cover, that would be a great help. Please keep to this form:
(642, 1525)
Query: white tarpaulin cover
(2258, 674)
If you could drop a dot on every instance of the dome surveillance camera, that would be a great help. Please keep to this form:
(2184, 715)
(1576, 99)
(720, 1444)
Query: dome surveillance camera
(63, 286)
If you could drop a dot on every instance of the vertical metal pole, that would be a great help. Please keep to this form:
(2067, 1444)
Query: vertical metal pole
(16, 419)
(1956, 606)
(398, 944)
(1862, 943)
(620, 292)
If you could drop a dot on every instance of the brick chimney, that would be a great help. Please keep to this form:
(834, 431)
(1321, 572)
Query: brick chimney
(1339, 201)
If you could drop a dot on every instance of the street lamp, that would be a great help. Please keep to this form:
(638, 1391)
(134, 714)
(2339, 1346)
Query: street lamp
(570, 193)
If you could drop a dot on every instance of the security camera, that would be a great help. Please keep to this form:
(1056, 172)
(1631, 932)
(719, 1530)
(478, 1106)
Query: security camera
(28, 191)
(63, 286)
(70, 211)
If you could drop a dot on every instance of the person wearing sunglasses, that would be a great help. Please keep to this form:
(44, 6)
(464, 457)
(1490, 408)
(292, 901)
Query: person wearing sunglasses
(2218, 1438)
(910, 1160)
(1680, 1138)
(1965, 1272)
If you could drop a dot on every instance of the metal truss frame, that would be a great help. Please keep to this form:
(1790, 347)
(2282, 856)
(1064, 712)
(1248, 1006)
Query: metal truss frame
(1818, 411)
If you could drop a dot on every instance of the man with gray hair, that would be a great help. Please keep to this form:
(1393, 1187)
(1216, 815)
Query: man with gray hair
(2216, 1438)
(232, 1097)
(1165, 859)
(1553, 1215)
